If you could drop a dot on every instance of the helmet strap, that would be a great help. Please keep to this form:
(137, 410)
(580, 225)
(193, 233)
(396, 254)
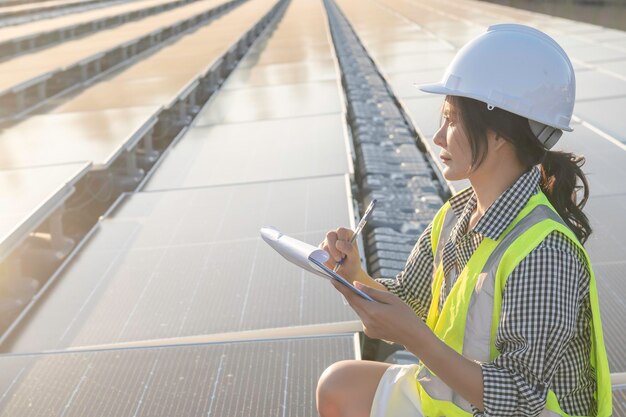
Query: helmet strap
(547, 135)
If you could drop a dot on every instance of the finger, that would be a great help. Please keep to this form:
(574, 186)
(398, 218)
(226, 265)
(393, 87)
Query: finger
(347, 292)
(344, 234)
(342, 289)
(331, 239)
(324, 246)
(344, 246)
(352, 298)
(381, 296)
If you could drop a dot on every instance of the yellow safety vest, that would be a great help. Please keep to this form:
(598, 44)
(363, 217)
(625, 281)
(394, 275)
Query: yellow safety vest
(476, 295)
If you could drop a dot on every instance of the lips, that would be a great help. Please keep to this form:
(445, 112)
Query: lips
(444, 158)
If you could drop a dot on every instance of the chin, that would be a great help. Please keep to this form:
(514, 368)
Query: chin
(452, 175)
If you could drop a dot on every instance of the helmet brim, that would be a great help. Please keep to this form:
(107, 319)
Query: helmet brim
(440, 88)
(433, 88)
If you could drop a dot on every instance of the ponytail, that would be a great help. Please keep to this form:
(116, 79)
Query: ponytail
(562, 180)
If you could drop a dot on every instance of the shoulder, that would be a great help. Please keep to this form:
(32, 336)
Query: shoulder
(557, 247)
(422, 248)
(556, 263)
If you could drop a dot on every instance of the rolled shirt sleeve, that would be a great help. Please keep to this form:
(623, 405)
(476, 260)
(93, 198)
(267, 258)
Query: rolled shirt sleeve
(541, 302)
(413, 284)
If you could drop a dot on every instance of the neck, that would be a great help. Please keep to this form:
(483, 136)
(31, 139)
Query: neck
(489, 186)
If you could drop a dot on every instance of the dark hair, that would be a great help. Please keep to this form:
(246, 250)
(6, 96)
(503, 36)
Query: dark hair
(562, 178)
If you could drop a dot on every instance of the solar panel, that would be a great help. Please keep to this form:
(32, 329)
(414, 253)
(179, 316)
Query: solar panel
(607, 243)
(606, 34)
(69, 137)
(605, 168)
(596, 52)
(616, 67)
(28, 196)
(604, 114)
(260, 378)
(191, 262)
(114, 94)
(415, 62)
(282, 73)
(593, 84)
(288, 53)
(54, 24)
(272, 102)
(611, 290)
(426, 113)
(417, 45)
(402, 82)
(257, 151)
(619, 403)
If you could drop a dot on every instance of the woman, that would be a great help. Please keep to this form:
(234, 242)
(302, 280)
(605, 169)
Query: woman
(497, 298)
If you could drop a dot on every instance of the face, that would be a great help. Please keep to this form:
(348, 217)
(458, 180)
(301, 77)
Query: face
(456, 153)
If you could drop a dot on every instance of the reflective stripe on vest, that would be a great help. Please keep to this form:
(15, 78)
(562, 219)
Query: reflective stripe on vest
(468, 320)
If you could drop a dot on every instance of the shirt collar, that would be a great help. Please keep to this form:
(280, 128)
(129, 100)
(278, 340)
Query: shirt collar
(504, 210)
(459, 201)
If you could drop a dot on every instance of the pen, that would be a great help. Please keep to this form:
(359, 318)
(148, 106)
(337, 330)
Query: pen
(358, 230)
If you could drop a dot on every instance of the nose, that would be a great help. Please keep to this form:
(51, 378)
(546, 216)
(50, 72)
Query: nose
(440, 135)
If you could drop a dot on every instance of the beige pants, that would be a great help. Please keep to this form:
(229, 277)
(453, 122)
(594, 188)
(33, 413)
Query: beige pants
(396, 395)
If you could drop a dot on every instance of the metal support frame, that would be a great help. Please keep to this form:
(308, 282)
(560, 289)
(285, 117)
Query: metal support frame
(61, 244)
(132, 170)
(146, 154)
(128, 175)
(56, 245)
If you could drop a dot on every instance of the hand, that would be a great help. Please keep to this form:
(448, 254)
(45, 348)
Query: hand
(337, 244)
(388, 318)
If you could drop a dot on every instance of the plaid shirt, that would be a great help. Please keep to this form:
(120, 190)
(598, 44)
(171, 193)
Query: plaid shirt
(544, 330)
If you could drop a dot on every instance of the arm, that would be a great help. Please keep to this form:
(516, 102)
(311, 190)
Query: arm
(412, 285)
(540, 308)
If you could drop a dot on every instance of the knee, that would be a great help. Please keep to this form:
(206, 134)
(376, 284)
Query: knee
(330, 389)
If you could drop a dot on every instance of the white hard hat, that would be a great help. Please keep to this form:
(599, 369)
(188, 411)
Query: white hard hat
(519, 69)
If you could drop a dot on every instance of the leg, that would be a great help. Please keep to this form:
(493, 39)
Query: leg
(347, 388)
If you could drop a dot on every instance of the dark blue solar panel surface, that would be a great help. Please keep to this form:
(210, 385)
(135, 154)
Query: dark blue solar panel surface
(260, 378)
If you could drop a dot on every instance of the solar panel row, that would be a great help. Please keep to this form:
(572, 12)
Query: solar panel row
(104, 134)
(183, 261)
(15, 40)
(230, 379)
(28, 81)
(189, 262)
(18, 14)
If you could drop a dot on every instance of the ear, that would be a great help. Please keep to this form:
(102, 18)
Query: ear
(495, 141)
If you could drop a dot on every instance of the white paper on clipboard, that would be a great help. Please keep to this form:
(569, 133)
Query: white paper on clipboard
(306, 256)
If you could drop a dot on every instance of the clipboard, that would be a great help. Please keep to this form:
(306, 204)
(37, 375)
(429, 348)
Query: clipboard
(308, 257)
(340, 279)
